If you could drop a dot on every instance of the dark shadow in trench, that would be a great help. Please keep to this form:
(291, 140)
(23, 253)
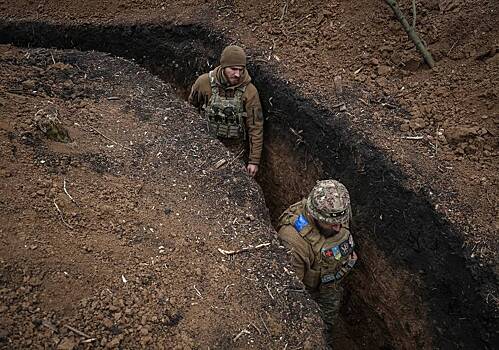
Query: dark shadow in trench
(411, 235)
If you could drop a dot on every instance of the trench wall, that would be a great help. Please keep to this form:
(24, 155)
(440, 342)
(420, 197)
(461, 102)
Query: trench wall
(392, 224)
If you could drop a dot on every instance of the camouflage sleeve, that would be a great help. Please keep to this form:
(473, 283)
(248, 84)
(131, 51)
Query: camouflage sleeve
(254, 124)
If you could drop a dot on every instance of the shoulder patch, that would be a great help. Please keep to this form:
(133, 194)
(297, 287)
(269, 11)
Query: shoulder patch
(300, 223)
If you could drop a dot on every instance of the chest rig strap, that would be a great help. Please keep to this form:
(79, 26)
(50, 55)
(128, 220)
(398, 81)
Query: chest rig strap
(225, 114)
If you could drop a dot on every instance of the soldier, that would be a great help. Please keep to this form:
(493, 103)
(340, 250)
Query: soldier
(231, 105)
(317, 232)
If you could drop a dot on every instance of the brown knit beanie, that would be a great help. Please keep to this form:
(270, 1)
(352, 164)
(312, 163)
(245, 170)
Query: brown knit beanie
(233, 56)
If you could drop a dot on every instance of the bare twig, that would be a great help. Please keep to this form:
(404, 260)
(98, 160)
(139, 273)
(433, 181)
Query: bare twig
(245, 249)
(227, 287)
(49, 326)
(62, 216)
(109, 139)
(257, 329)
(338, 105)
(236, 157)
(264, 325)
(284, 10)
(77, 331)
(487, 196)
(452, 47)
(244, 331)
(198, 292)
(412, 137)
(413, 14)
(66, 191)
(51, 55)
(268, 290)
(299, 21)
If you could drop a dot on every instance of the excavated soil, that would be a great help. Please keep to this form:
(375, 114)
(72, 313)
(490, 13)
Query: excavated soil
(345, 96)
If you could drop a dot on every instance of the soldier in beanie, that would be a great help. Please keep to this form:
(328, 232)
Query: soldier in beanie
(316, 230)
(231, 105)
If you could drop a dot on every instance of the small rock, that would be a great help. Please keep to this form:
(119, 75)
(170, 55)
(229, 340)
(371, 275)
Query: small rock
(113, 343)
(382, 81)
(417, 124)
(405, 127)
(459, 134)
(67, 344)
(146, 340)
(29, 84)
(384, 70)
(107, 323)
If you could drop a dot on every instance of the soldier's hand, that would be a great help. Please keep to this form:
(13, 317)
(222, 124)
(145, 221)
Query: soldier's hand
(252, 169)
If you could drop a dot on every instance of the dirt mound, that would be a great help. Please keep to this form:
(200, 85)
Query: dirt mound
(345, 96)
(116, 234)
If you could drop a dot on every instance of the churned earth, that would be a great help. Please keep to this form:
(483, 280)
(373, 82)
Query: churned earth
(345, 96)
(117, 233)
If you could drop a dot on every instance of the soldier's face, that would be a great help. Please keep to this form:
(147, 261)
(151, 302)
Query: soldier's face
(328, 230)
(233, 74)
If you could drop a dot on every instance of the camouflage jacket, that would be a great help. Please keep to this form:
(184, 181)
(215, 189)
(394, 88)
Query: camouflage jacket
(317, 260)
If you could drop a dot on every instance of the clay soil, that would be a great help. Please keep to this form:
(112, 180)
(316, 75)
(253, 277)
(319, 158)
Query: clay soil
(117, 233)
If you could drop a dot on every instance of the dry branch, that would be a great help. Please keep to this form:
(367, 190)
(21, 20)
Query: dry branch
(77, 331)
(244, 331)
(245, 249)
(411, 32)
(109, 139)
(62, 216)
(66, 191)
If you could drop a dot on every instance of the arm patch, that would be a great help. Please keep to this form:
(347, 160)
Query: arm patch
(300, 223)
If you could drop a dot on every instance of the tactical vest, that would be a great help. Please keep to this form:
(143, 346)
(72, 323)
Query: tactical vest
(330, 262)
(225, 114)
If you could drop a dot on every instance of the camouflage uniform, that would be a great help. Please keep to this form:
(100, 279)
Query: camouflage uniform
(320, 261)
(233, 113)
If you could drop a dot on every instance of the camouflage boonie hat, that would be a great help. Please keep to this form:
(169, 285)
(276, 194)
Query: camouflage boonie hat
(329, 202)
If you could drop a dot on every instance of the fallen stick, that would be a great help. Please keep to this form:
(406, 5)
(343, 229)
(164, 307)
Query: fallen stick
(49, 326)
(264, 325)
(245, 249)
(62, 216)
(198, 292)
(77, 331)
(258, 330)
(268, 290)
(412, 137)
(66, 191)
(244, 331)
(109, 139)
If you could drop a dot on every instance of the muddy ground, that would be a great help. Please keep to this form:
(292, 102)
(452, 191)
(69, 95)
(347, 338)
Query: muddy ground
(417, 148)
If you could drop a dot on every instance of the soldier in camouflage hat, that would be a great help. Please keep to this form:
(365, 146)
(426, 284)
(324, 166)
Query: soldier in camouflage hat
(231, 105)
(316, 231)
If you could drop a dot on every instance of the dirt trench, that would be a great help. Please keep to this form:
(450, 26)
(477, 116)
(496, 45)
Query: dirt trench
(413, 287)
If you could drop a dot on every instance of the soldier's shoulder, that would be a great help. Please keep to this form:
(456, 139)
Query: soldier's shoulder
(291, 238)
(202, 84)
(251, 89)
(203, 78)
